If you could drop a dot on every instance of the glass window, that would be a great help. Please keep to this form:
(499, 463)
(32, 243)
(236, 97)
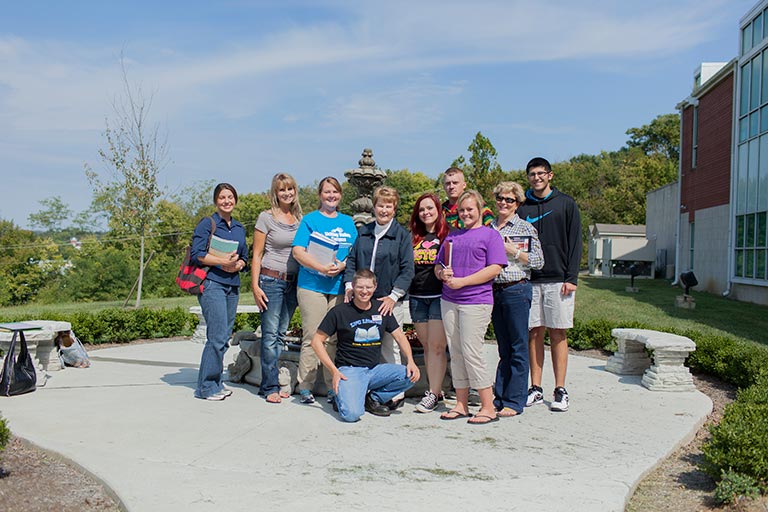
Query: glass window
(754, 123)
(760, 264)
(740, 263)
(741, 179)
(749, 263)
(764, 119)
(764, 95)
(749, 231)
(740, 231)
(754, 160)
(757, 30)
(696, 135)
(761, 230)
(746, 39)
(757, 71)
(743, 129)
(745, 81)
(762, 175)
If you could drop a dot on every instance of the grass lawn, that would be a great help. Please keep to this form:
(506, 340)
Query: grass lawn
(597, 298)
(654, 305)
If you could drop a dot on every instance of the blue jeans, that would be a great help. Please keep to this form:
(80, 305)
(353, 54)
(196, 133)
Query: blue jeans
(274, 322)
(510, 322)
(385, 381)
(219, 305)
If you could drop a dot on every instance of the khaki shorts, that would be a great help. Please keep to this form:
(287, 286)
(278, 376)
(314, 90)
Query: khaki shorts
(549, 308)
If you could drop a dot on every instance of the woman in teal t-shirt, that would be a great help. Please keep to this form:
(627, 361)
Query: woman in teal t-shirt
(319, 286)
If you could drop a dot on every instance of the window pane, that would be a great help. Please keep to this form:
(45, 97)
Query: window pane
(741, 180)
(743, 129)
(746, 39)
(744, 96)
(754, 161)
(764, 96)
(749, 231)
(749, 263)
(760, 265)
(757, 72)
(762, 176)
(740, 263)
(757, 30)
(761, 228)
(740, 231)
(754, 123)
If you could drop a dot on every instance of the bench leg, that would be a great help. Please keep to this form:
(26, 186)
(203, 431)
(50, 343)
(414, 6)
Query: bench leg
(668, 373)
(629, 359)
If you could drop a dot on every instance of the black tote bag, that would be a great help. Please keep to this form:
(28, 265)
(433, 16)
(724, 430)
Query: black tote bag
(18, 375)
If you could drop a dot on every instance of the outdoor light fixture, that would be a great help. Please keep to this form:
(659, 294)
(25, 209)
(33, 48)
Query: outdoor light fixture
(688, 280)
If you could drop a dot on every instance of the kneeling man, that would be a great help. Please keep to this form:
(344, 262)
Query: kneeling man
(360, 382)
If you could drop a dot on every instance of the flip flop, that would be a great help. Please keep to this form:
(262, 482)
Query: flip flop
(285, 394)
(506, 412)
(488, 418)
(456, 415)
(274, 398)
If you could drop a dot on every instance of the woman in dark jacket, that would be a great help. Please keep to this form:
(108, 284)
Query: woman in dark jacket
(384, 247)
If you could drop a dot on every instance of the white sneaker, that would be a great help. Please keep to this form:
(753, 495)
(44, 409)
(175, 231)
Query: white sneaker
(535, 396)
(560, 403)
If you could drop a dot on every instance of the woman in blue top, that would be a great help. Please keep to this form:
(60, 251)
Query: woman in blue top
(319, 285)
(221, 289)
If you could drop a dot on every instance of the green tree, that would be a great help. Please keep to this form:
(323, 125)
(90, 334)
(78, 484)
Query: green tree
(409, 185)
(52, 216)
(660, 137)
(133, 158)
(483, 171)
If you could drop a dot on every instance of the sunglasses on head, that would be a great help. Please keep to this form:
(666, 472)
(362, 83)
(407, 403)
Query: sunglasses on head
(508, 200)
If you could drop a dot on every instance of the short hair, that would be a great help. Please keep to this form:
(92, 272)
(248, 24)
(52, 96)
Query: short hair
(363, 273)
(387, 195)
(418, 229)
(452, 170)
(279, 181)
(538, 162)
(223, 186)
(510, 187)
(472, 194)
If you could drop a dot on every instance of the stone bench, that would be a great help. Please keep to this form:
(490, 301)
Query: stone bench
(666, 371)
(199, 334)
(40, 342)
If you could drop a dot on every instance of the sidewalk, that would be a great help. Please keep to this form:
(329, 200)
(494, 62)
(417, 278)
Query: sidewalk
(131, 420)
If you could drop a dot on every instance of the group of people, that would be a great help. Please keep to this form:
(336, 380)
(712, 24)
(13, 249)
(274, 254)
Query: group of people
(459, 266)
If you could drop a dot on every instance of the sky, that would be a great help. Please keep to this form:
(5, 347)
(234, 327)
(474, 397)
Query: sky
(243, 89)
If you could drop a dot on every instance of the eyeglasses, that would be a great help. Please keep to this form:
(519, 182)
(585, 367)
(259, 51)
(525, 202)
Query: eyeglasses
(508, 200)
(538, 174)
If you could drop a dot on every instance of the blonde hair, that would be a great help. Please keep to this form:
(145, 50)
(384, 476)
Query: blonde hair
(510, 187)
(284, 180)
(386, 195)
(472, 194)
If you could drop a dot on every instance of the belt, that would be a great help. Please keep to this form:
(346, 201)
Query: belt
(500, 286)
(283, 276)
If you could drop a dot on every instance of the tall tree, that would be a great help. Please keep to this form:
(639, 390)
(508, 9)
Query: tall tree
(52, 216)
(134, 155)
(660, 137)
(482, 172)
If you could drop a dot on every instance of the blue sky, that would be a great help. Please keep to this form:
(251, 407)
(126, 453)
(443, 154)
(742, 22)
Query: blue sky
(245, 89)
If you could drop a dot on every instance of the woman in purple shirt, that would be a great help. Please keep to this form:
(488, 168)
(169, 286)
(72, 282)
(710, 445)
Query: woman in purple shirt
(470, 259)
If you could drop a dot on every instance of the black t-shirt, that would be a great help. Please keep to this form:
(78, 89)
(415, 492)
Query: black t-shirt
(358, 333)
(425, 283)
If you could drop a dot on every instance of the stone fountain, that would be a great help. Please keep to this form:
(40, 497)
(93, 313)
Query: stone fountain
(365, 179)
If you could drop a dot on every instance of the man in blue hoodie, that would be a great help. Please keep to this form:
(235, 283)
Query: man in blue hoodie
(556, 217)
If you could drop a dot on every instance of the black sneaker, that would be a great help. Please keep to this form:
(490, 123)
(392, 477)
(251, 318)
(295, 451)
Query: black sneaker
(474, 397)
(560, 403)
(375, 407)
(428, 403)
(393, 406)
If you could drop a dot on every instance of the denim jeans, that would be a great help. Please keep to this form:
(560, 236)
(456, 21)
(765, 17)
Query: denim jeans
(274, 322)
(219, 305)
(385, 381)
(510, 322)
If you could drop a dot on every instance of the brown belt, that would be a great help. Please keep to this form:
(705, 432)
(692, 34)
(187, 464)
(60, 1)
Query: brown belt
(500, 286)
(283, 276)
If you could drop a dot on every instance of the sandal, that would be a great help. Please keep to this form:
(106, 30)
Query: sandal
(274, 398)
(285, 394)
(453, 414)
(485, 419)
(506, 412)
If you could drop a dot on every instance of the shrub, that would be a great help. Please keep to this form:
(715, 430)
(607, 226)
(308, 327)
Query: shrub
(5, 433)
(735, 486)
